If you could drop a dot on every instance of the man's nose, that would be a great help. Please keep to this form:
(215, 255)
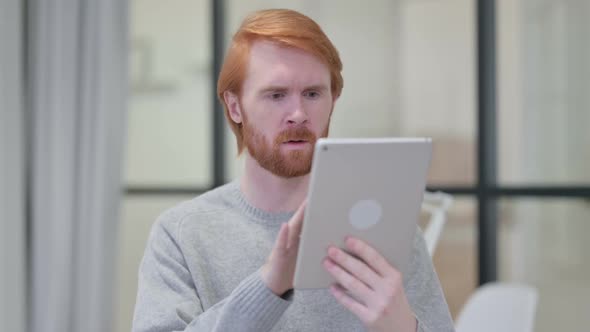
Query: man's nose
(297, 114)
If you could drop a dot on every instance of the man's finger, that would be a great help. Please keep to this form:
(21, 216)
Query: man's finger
(369, 255)
(283, 237)
(354, 266)
(351, 304)
(356, 287)
(295, 224)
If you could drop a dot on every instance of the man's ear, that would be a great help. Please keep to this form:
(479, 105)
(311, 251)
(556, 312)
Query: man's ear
(334, 100)
(233, 106)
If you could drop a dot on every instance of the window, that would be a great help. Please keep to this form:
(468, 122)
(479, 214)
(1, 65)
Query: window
(510, 143)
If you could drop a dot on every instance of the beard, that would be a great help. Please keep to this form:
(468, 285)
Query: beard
(287, 164)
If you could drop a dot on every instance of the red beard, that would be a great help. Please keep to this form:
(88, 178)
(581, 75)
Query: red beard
(287, 164)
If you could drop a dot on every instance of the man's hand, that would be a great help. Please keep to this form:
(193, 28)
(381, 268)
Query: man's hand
(369, 287)
(279, 269)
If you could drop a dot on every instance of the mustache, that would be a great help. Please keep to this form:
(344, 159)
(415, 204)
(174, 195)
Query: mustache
(295, 134)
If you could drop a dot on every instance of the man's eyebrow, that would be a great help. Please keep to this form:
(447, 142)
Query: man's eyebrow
(317, 87)
(282, 89)
(272, 88)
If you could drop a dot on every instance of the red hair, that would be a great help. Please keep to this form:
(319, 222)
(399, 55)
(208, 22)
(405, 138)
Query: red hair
(286, 28)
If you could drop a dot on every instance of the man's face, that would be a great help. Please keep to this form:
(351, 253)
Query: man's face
(285, 106)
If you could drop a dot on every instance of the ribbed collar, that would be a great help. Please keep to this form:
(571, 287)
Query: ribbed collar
(251, 211)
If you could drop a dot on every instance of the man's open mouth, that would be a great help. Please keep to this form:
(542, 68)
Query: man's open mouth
(296, 143)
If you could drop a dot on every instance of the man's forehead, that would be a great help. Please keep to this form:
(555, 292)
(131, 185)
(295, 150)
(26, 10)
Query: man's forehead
(273, 64)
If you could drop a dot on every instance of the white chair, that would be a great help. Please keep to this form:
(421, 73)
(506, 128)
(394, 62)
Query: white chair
(494, 307)
(437, 204)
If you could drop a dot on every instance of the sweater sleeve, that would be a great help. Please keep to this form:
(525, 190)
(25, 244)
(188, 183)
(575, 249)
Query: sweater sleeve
(424, 291)
(167, 299)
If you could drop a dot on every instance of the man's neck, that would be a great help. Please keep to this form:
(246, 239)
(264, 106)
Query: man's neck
(269, 192)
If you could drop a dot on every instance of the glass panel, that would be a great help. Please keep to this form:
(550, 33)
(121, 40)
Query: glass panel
(544, 243)
(138, 213)
(408, 71)
(543, 80)
(455, 257)
(169, 136)
(437, 83)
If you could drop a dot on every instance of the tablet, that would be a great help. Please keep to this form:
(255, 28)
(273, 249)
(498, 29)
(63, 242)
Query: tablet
(369, 188)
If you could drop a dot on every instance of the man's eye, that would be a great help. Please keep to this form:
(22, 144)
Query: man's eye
(312, 94)
(277, 95)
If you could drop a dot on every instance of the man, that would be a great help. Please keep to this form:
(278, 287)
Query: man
(224, 261)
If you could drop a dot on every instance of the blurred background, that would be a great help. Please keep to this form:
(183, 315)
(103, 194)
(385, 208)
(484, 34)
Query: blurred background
(502, 87)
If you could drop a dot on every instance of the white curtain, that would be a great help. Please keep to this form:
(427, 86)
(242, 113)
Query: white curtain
(77, 93)
(12, 174)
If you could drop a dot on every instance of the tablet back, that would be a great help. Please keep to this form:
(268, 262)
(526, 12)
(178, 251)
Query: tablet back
(368, 188)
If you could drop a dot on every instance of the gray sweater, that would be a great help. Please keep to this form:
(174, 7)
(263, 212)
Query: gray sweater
(200, 272)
